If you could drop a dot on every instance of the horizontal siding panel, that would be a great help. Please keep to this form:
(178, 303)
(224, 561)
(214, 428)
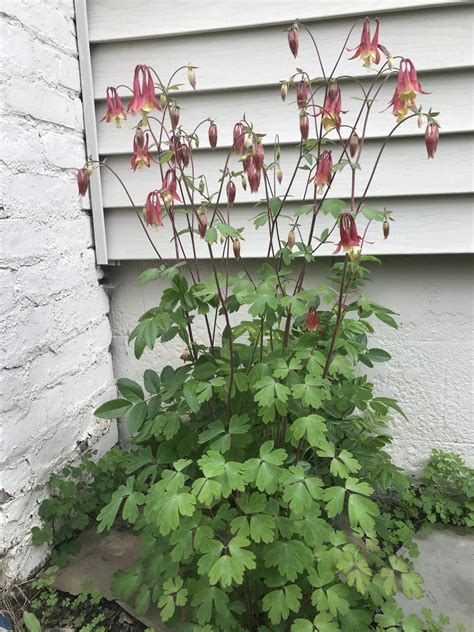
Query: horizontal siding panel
(112, 20)
(403, 170)
(424, 225)
(434, 39)
(264, 108)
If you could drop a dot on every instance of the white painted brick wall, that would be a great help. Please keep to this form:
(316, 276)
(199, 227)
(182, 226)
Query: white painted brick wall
(432, 353)
(55, 329)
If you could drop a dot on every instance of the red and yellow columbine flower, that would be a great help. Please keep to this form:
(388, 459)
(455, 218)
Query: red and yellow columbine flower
(368, 50)
(144, 99)
(312, 320)
(141, 155)
(406, 90)
(331, 112)
(431, 139)
(293, 39)
(82, 178)
(115, 111)
(350, 239)
(323, 170)
(169, 188)
(152, 210)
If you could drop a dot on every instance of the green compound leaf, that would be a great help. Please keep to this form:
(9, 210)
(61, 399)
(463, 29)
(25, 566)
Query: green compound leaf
(279, 603)
(312, 427)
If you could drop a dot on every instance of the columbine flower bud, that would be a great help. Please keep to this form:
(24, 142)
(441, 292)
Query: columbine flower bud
(236, 248)
(353, 144)
(89, 168)
(163, 100)
(312, 320)
(239, 138)
(302, 90)
(284, 90)
(185, 355)
(304, 126)
(291, 239)
(279, 174)
(201, 186)
(386, 228)
(230, 190)
(431, 139)
(115, 111)
(323, 170)
(174, 115)
(212, 133)
(421, 120)
(182, 152)
(293, 39)
(152, 210)
(202, 224)
(82, 177)
(191, 77)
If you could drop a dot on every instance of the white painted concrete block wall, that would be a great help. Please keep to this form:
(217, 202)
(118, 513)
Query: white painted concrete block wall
(56, 334)
(432, 353)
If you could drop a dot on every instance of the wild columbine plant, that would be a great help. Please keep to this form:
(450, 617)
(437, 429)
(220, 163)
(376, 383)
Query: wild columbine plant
(258, 463)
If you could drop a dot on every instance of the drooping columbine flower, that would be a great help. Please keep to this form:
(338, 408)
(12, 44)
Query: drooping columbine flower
(431, 139)
(212, 134)
(141, 155)
(350, 239)
(238, 136)
(304, 126)
(181, 151)
(323, 170)
(368, 50)
(406, 90)
(144, 99)
(331, 111)
(169, 188)
(115, 111)
(302, 91)
(258, 155)
(293, 39)
(82, 178)
(253, 176)
(152, 210)
(230, 190)
(312, 320)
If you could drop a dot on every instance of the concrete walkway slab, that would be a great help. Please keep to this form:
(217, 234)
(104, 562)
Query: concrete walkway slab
(446, 563)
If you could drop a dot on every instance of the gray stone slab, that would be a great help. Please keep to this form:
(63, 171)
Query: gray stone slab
(446, 563)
